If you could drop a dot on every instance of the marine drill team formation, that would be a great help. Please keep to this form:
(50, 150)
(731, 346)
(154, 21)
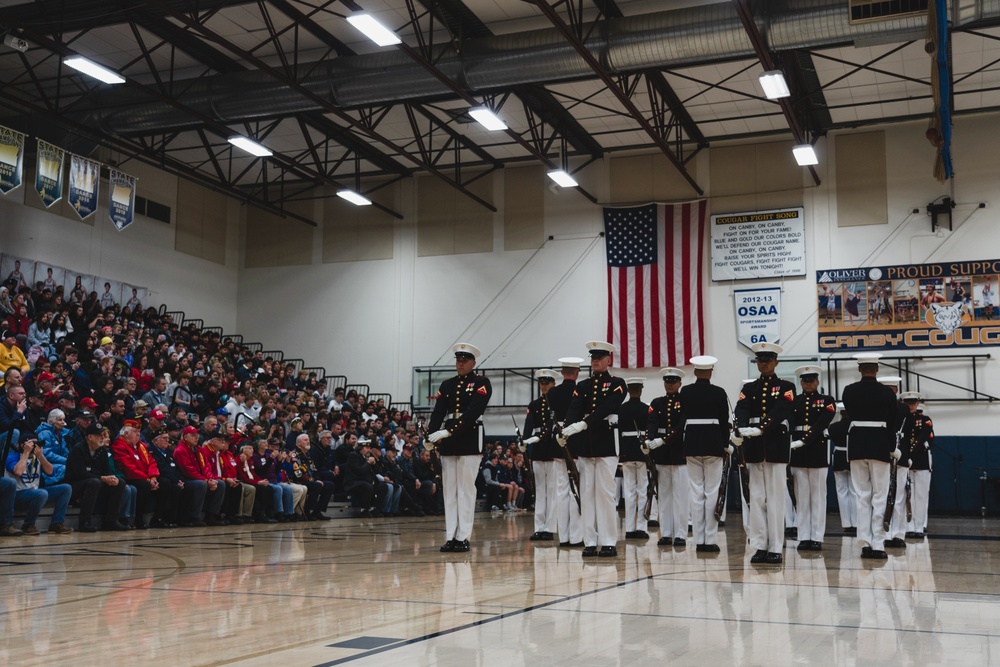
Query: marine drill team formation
(680, 449)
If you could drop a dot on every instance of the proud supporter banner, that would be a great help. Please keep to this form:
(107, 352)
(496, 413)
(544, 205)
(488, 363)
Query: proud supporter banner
(908, 306)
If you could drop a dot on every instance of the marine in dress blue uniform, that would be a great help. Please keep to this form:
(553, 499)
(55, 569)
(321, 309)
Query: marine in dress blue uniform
(810, 459)
(457, 432)
(569, 520)
(635, 478)
(665, 439)
(547, 463)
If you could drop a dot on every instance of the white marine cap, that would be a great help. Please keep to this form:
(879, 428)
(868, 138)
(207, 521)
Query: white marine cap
(546, 374)
(671, 372)
(921, 407)
(767, 349)
(749, 380)
(570, 362)
(840, 406)
(465, 350)
(703, 362)
(910, 396)
(867, 357)
(600, 348)
(808, 370)
(635, 381)
(892, 380)
(363, 441)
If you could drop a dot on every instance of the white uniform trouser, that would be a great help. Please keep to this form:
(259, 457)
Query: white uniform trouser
(458, 482)
(705, 473)
(674, 489)
(597, 494)
(634, 484)
(547, 476)
(570, 520)
(920, 491)
(870, 480)
(791, 516)
(810, 495)
(767, 506)
(846, 499)
(897, 527)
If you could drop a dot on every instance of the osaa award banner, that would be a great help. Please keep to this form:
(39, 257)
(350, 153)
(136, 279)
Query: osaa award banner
(122, 199)
(84, 184)
(11, 159)
(49, 173)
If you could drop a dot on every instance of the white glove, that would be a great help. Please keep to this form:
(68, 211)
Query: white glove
(573, 429)
(909, 463)
(655, 443)
(736, 440)
(437, 436)
(895, 454)
(644, 449)
(797, 443)
(428, 445)
(532, 440)
(561, 440)
(730, 450)
(750, 432)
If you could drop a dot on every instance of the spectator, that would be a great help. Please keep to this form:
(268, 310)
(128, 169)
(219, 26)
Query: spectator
(52, 435)
(8, 489)
(497, 494)
(11, 356)
(263, 502)
(238, 505)
(195, 471)
(360, 482)
(299, 469)
(40, 335)
(12, 409)
(157, 394)
(88, 471)
(410, 484)
(141, 471)
(167, 514)
(267, 466)
(25, 465)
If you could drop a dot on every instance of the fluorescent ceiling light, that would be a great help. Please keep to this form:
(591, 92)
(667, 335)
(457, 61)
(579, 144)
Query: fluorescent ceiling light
(774, 85)
(805, 155)
(373, 30)
(354, 198)
(563, 179)
(250, 146)
(92, 69)
(487, 119)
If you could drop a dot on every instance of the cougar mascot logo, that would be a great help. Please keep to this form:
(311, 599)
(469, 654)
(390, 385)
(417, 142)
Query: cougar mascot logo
(947, 318)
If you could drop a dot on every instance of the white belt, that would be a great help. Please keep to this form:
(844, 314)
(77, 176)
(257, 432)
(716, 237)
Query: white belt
(661, 430)
(868, 424)
(840, 449)
(755, 420)
(701, 422)
(803, 429)
(629, 434)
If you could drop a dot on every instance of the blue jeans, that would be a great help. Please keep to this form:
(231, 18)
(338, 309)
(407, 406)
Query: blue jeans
(391, 504)
(31, 502)
(283, 499)
(7, 490)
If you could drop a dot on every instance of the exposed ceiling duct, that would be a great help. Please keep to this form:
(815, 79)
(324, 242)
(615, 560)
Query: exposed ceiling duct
(694, 35)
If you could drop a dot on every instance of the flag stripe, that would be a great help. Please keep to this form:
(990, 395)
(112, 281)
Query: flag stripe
(655, 295)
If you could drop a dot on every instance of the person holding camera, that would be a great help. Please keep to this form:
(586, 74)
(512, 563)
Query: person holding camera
(25, 464)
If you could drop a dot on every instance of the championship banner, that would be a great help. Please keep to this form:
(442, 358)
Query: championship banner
(758, 244)
(758, 315)
(11, 159)
(84, 184)
(49, 173)
(908, 306)
(122, 199)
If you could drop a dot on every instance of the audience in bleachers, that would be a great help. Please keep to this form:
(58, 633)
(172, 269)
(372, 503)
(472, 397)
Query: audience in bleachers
(204, 430)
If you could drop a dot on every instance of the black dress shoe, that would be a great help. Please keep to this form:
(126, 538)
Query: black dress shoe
(878, 554)
(910, 534)
(216, 521)
(319, 516)
(537, 536)
(547, 536)
(608, 552)
(919, 536)
(773, 558)
(679, 541)
(564, 544)
(641, 535)
(589, 552)
(631, 534)
(722, 524)
(460, 547)
(87, 527)
(851, 531)
(448, 546)
(815, 546)
(760, 556)
(576, 544)
(653, 523)
(792, 532)
(866, 552)
(700, 548)
(664, 542)
(804, 545)
(712, 548)
(114, 526)
(235, 521)
(157, 523)
(896, 543)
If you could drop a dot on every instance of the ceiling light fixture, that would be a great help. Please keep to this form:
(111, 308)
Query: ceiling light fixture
(487, 119)
(354, 198)
(562, 178)
(774, 84)
(373, 30)
(92, 69)
(250, 146)
(805, 155)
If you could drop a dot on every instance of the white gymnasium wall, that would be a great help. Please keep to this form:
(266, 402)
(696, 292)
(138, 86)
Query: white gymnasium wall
(373, 321)
(142, 254)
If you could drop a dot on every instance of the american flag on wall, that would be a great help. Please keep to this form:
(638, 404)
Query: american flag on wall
(655, 314)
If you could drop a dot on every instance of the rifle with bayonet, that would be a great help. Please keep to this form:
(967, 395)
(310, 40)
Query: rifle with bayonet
(571, 469)
(652, 481)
